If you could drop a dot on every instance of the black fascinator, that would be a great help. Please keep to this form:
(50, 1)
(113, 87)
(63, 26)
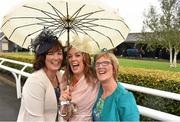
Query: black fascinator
(43, 42)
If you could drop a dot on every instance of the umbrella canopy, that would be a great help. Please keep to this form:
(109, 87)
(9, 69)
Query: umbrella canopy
(69, 20)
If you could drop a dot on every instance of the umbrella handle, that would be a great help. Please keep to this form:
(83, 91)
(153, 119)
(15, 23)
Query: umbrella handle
(63, 108)
(63, 105)
(67, 109)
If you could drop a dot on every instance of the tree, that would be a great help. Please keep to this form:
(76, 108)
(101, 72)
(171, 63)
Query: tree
(164, 28)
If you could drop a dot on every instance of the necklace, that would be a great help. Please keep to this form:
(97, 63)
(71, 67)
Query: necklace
(54, 82)
(53, 79)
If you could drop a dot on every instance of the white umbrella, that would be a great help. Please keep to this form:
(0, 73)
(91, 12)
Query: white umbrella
(102, 26)
(88, 25)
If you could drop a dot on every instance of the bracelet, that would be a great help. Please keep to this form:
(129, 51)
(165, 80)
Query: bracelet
(65, 102)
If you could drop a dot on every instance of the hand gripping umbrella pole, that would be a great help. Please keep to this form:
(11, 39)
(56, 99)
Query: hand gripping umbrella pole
(66, 108)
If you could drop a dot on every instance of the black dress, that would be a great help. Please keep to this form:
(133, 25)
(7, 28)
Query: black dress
(57, 92)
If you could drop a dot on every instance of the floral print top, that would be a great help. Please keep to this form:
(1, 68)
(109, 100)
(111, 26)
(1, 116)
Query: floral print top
(98, 109)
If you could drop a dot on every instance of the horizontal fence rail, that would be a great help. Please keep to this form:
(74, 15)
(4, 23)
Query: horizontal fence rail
(148, 112)
(155, 92)
(16, 72)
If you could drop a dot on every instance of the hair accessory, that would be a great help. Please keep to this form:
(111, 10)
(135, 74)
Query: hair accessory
(44, 41)
(104, 50)
(84, 44)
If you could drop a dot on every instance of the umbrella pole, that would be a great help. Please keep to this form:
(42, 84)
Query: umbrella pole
(66, 103)
(68, 45)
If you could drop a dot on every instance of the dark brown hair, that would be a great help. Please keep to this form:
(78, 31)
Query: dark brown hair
(39, 61)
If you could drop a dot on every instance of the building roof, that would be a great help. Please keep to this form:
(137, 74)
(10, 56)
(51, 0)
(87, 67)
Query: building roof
(2, 39)
(133, 37)
(1, 34)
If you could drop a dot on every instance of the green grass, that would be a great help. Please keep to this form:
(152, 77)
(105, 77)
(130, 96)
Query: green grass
(134, 63)
(24, 54)
(151, 64)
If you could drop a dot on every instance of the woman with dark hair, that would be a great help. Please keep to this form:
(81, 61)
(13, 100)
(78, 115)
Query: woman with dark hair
(41, 91)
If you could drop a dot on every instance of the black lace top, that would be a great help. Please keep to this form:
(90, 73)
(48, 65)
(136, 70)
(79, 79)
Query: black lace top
(57, 92)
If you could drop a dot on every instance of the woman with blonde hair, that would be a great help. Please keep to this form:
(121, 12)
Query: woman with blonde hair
(83, 88)
(114, 102)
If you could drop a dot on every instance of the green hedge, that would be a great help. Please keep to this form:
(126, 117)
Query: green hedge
(154, 102)
(24, 57)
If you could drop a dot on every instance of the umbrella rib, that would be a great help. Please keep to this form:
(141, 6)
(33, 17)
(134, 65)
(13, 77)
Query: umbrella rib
(47, 21)
(38, 18)
(99, 19)
(90, 13)
(121, 20)
(22, 27)
(57, 11)
(45, 12)
(20, 18)
(99, 33)
(84, 32)
(73, 29)
(13, 18)
(57, 28)
(51, 22)
(105, 27)
(76, 13)
(41, 18)
(86, 16)
(30, 35)
(61, 32)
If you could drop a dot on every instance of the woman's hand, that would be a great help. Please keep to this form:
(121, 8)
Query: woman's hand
(65, 95)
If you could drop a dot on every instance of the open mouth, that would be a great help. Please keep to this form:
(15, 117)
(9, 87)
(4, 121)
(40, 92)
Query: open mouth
(102, 71)
(55, 62)
(74, 66)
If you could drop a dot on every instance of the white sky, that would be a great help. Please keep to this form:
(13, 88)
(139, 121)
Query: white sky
(130, 10)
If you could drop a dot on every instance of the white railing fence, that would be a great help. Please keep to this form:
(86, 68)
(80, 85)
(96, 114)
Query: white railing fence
(148, 112)
(16, 72)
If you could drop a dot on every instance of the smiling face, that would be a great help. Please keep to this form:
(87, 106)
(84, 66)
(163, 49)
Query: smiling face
(104, 69)
(54, 59)
(76, 62)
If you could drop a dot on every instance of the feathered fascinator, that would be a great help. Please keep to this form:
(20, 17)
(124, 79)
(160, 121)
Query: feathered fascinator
(85, 45)
(44, 41)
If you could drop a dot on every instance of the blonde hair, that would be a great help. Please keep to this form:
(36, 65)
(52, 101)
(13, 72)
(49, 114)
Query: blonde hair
(113, 60)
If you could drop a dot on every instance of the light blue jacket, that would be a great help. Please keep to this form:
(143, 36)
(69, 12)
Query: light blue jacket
(119, 106)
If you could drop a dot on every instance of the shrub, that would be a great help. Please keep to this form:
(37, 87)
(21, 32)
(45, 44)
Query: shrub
(24, 57)
(156, 80)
